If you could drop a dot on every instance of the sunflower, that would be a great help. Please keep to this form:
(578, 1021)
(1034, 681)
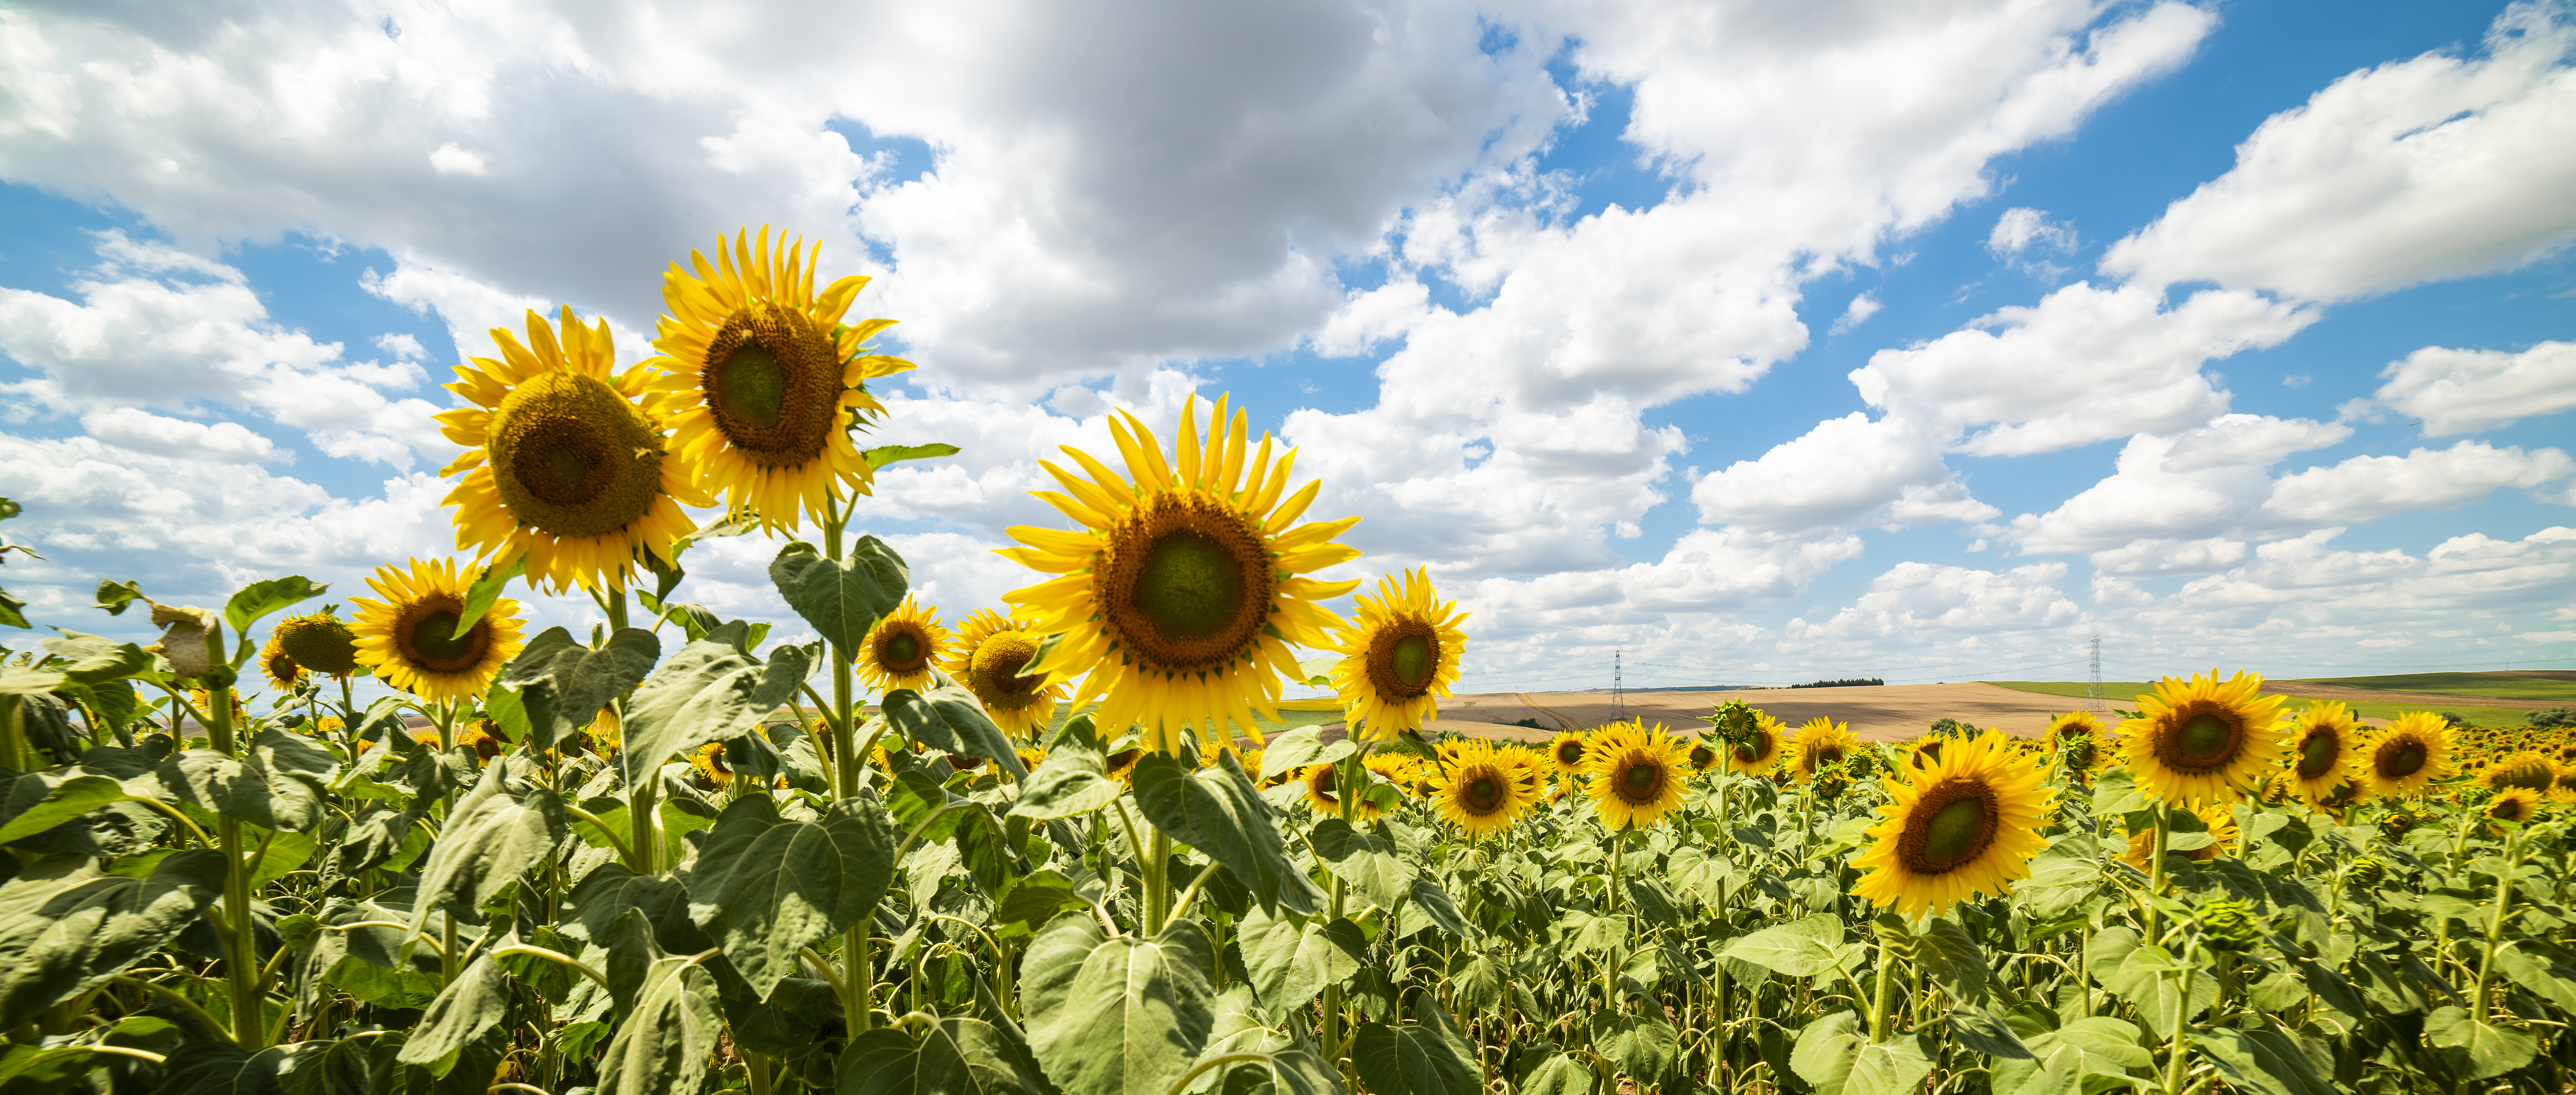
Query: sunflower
(1570, 751)
(2526, 769)
(2412, 751)
(1397, 770)
(602, 736)
(1924, 752)
(1031, 756)
(2513, 804)
(1399, 657)
(319, 642)
(2075, 724)
(483, 736)
(900, 647)
(2204, 740)
(1183, 593)
(1323, 792)
(1759, 750)
(410, 640)
(1637, 774)
(2218, 817)
(991, 653)
(1820, 742)
(2342, 798)
(709, 761)
(1482, 793)
(1121, 764)
(1969, 824)
(561, 467)
(282, 670)
(761, 382)
(1703, 756)
(2321, 748)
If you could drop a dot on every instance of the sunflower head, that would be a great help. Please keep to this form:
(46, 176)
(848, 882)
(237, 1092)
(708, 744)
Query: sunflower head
(2074, 725)
(901, 647)
(319, 642)
(990, 656)
(1820, 742)
(1637, 775)
(1399, 656)
(2412, 751)
(1967, 824)
(2366, 871)
(1482, 792)
(483, 736)
(2218, 818)
(1703, 754)
(762, 383)
(281, 670)
(409, 638)
(2324, 742)
(1183, 590)
(709, 762)
(1324, 792)
(1757, 750)
(2204, 740)
(1570, 751)
(2513, 805)
(2527, 769)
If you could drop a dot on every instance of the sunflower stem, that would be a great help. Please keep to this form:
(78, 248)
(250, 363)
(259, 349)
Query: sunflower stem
(241, 954)
(1158, 883)
(2485, 995)
(1885, 996)
(2156, 878)
(2176, 1051)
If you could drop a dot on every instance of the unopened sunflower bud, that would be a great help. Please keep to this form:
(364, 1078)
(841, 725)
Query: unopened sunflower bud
(2229, 926)
(2366, 871)
(2396, 822)
(184, 632)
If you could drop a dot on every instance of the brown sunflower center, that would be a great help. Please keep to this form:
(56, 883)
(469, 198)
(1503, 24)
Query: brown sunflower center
(1952, 824)
(1927, 754)
(1702, 756)
(772, 382)
(2405, 759)
(1569, 753)
(1187, 584)
(425, 635)
(994, 671)
(571, 457)
(902, 649)
(1402, 657)
(1483, 794)
(1753, 751)
(2318, 752)
(1639, 780)
(2199, 740)
(1824, 755)
(320, 643)
(1323, 784)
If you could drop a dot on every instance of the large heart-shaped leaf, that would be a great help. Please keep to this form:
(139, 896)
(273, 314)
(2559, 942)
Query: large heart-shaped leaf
(261, 598)
(842, 598)
(950, 719)
(1291, 961)
(66, 928)
(766, 886)
(1423, 1057)
(1112, 1015)
(665, 1042)
(1217, 811)
(1072, 781)
(280, 785)
(709, 691)
(563, 684)
(473, 1003)
(495, 834)
(952, 1056)
(1366, 860)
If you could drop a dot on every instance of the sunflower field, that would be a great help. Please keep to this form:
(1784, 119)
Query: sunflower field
(1044, 846)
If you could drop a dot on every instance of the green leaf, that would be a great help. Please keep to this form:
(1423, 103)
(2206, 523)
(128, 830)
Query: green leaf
(1435, 905)
(883, 455)
(484, 593)
(664, 1044)
(1955, 962)
(564, 684)
(1641, 1046)
(326, 1067)
(1109, 1015)
(1300, 748)
(2476, 1050)
(94, 659)
(470, 1005)
(258, 599)
(1423, 1057)
(766, 887)
(842, 598)
(709, 691)
(2525, 969)
(1796, 949)
(1291, 961)
(66, 928)
(116, 597)
(1070, 782)
(284, 853)
(1217, 811)
(2150, 979)
(1558, 1075)
(281, 785)
(67, 800)
(495, 834)
(1835, 1054)
(963, 1056)
(950, 719)
(1364, 859)
(2061, 1059)
(13, 610)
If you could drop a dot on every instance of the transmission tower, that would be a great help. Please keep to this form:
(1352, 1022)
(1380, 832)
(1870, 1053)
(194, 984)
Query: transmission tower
(2093, 691)
(1618, 688)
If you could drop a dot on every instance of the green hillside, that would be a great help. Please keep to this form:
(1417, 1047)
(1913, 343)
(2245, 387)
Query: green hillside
(2463, 684)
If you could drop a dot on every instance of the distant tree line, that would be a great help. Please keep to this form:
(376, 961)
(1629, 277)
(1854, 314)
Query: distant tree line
(1846, 683)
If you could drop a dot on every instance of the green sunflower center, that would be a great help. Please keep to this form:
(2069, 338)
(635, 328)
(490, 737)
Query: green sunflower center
(754, 386)
(2203, 736)
(900, 650)
(1185, 584)
(1483, 794)
(772, 382)
(1414, 659)
(1403, 654)
(1189, 586)
(425, 635)
(1641, 780)
(1949, 826)
(2404, 760)
(994, 671)
(571, 457)
(1569, 753)
(2317, 753)
(2199, 739)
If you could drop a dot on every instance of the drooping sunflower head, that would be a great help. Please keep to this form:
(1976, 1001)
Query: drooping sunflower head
(2204, 740)
(709, 762)
(1966, 825)
(990, 656)
(409, 638)
(2340, 800)
(762, 383)
(1638, 773)
(902, 646)
(320, 642)
(1570, 751)
(1482, 792)
(1183, 588)
(2514, 805)
(483, 736)
(2524, 768)
(2218, 817)
(1399, 656)
(1820, 742)
(562, 467)
(2322, 747)
(281, 670)
(1759, 749)
(2415, 749)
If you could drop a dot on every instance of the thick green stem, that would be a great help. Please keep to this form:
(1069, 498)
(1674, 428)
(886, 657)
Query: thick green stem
(2485, 996)
(13, 733)
(2156, 880)
(1158, 883)
(844, 721)
(642, 800)
(1881, 1000)
(2176, 1052)
(242, 973)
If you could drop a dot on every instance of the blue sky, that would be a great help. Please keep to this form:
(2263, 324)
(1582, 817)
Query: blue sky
(1561, 301)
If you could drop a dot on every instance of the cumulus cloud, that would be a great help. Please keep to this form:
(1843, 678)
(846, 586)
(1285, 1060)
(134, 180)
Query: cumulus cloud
(2435, 167)
(143, 431)
(2367, 487)
(2465, 391)
(2021, 227)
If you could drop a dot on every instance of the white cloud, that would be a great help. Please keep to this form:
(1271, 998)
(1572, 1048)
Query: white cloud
(1857, 312)
(2259, 440)
(2464, 391)
(2156, 557)
(2021, 227)
(448, 159)
(2367, 487)
(2435, 167)
(144, 431)
(1846, 471)
(1912, 602)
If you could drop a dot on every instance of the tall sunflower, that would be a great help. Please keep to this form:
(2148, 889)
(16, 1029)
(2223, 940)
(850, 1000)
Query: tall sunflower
(901, 647)
(2073, 724)
(762, 383)
(2204, 740)
(2321, 748)
(1399, 657)
(318, 641)
(1482, 793)
(1759, 750)
(1183, 590)
(1637, 775)
(2412, 751)
(2513, 804)
(561, 467)
(991, 655)
(1967, 824)
(1820, 742)
(1571, 751)
(409, 638)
